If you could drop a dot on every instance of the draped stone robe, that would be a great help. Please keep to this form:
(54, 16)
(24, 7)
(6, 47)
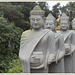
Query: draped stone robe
(68, 59)
(58, 65)
(35, 49)
(74, 51)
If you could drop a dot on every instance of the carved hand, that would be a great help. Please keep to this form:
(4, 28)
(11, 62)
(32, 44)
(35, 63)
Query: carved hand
(37, 58)
(67, 49)
(61, 55)
(51, 58)
(70, 53)
(71, 50)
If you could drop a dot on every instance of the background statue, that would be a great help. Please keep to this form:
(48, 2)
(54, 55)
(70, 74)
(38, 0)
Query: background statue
(58, 65)
(58, 26)
(73, 28)
(68, 40)
(73, 24)
(37, 45)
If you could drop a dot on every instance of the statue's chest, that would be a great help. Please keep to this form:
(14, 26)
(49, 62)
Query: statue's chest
(56, 37)
(42, 45)
(57, 41)
(67, 37)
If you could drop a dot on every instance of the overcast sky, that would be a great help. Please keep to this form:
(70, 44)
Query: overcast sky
(52, 3)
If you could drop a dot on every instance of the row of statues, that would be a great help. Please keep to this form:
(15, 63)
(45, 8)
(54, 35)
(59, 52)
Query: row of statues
(45, 50)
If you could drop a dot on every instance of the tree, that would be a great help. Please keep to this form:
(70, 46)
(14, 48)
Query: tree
(26, 8)
(19, 12)
(69, 9)
(13, 18)
(55, 10)
(9, 43)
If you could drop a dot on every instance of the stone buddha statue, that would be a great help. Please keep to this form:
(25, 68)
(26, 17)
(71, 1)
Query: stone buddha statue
(58, 65)
(58, 26)
(68, 42)
(37, 49)
(73, 24)
(73, 28)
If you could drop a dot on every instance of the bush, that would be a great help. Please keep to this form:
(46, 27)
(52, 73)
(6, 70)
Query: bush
(15, 66)
(9, 43)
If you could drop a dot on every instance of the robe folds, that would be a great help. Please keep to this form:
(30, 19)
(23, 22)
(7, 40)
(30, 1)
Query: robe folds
(37, 45)
(58, 65)
(74, 51)
(69, 40)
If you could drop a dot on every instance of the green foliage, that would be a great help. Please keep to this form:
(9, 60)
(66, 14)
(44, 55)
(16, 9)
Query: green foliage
(25, 25)
(26, 8)
(15, 66)
(19, 12)
(13, 11)
(69, 9)
(14, 17)
(9, 43)
(55, 10)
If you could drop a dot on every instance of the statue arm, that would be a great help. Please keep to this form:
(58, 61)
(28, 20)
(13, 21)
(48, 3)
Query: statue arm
(61, 48)
(24, 38)
(52, 53)
(72, 44)
(23, 41)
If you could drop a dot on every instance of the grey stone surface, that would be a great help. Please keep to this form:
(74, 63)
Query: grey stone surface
(73, 24)
(37, 47)
(68, 42)
(58, 65)
(73, 28)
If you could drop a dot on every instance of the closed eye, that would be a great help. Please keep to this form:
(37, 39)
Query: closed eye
(38, 19)
(33, 19)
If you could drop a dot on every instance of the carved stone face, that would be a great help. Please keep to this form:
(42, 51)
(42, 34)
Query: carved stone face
(64, 25)
(73, 25)
(50, 25)
(36, 21)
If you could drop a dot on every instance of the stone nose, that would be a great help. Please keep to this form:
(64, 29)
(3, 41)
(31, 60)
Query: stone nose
(48, 25)
(35, 22)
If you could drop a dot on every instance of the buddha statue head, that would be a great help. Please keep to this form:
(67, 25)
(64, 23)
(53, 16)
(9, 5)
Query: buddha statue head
(73, 24)
(50, 22)
(37, 17)
(64, 22)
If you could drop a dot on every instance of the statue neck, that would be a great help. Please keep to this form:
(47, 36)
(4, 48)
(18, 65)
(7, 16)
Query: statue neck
(64, 30)
(54, 31)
